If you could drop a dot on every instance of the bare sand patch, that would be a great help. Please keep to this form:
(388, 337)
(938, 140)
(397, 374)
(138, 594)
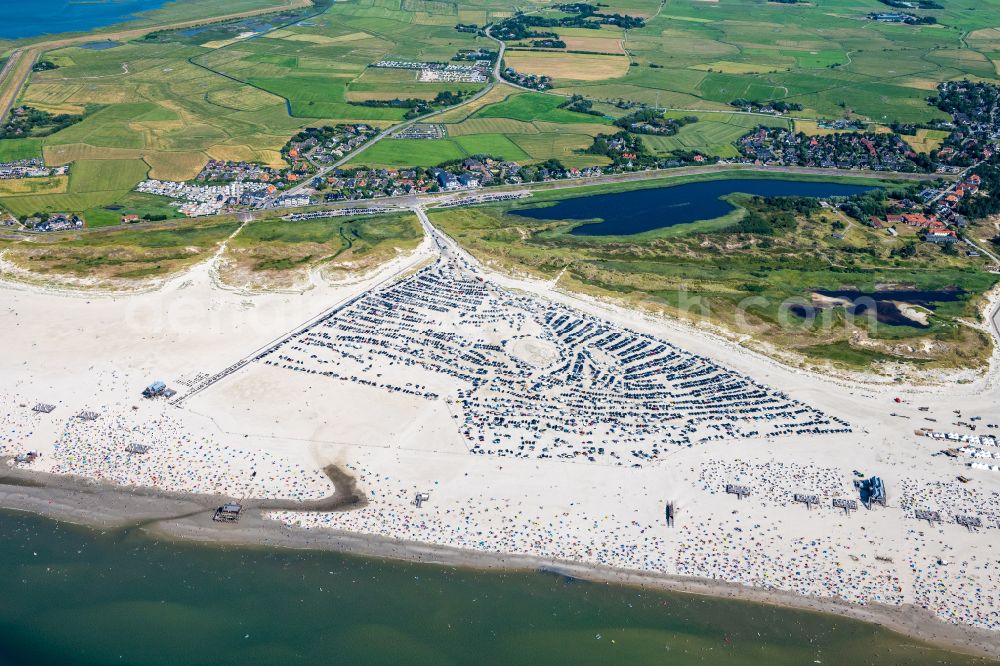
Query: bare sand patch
(535, 351)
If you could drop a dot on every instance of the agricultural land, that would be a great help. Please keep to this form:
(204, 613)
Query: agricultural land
(577, 91)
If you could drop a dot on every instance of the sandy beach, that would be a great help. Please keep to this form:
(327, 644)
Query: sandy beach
(542, 428)
(186, 517)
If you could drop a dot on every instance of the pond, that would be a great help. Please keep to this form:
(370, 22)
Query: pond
(891, 306)
(636, 211)
(100, 46)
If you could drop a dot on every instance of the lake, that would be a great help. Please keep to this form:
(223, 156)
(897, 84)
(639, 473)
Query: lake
(75, 596)
(636, 211)
(40, 17)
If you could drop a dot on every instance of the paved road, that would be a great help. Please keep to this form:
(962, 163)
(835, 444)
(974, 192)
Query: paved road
(15, 73)
(982, 250)
(443, 246)
(325, 314)
(499, 62)
(389, 132)
(496, 78)
(502, 48)
(409, 200)
(9, 63)
(958, 180)
(995, 320)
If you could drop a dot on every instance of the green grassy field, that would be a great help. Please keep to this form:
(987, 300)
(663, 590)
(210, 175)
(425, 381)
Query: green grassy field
(92, 185)
(32, 187)
(818, 55)
(565, 147)
(162, 107)
(320, 65)
(373, 229)
(106, 175)
(529, 107)
(272, 253)
(321, 97)
(705, 271)
(497, 145)
(12, 150)
(842, 353)
(403, 152)
(421, 152)
(122, 255)
(132, 203)
(180, 98)
(713, 134)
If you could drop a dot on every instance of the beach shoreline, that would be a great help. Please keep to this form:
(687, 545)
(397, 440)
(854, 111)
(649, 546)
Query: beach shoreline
(267, 403)
(186, 517)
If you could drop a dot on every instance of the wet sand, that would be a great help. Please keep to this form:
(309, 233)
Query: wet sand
(188, 517)
(594, 521)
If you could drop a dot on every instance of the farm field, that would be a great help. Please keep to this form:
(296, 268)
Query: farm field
(607, 40)
(12, 150)
(491, 144)
(91, 185)
(498, 93)
(562, 136)
(172, 103)
(713, 134)
(829, 58)
(521, 126)
(173, 100)
(530, 107)
(563, 66)
(422, 152)
(321, 66)
(404, 152)
(106, 175)
(601, 43)
(926, 140)
(564, 147)
(152, 118)
(34, 186)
